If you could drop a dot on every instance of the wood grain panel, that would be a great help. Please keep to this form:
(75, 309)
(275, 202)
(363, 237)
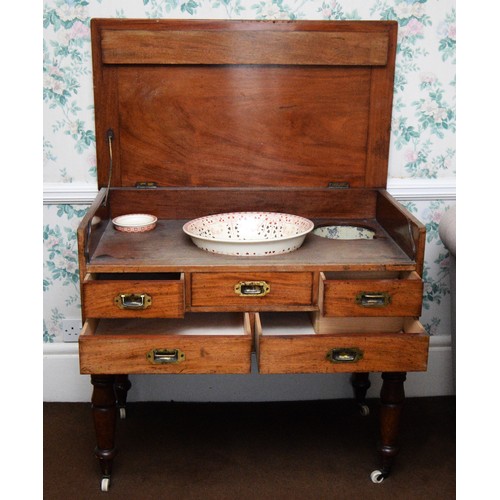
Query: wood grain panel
(179, 203)
(243, 47)
(241, 126)
(337, 324)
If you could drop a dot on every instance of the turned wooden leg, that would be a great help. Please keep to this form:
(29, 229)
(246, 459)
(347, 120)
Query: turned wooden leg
(361, 383)
(122, 386)
(392, 398)
(104, 414)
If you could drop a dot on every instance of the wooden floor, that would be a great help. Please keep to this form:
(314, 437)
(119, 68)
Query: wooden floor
(297, 450)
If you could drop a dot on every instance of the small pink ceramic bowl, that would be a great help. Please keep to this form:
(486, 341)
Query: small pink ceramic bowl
(135, 223)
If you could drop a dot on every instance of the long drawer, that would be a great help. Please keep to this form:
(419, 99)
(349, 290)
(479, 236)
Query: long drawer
(133, 296)
(289, 344)
(199, 343)
(252, 291)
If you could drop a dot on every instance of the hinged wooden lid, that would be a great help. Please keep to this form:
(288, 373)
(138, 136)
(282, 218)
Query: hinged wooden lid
(243, 103)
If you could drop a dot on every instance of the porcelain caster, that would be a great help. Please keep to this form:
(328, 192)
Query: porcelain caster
(105, 483)
(377, 476)
(123, 413)
(364, 410)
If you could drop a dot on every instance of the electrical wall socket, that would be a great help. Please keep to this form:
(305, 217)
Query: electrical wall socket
(71, 329)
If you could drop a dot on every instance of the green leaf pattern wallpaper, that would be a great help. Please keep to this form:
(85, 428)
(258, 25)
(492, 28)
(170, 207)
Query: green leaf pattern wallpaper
(422, 135)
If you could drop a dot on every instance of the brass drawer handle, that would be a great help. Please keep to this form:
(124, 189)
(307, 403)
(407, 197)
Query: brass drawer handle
(344, 355)
(373, 299)
(133, 301)
(252, 288)
(165, 356)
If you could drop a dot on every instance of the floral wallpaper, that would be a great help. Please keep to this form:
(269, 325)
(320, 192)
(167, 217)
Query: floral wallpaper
(423, 127)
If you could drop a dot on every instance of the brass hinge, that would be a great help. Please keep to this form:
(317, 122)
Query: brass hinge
(338, 185)
(146, 185)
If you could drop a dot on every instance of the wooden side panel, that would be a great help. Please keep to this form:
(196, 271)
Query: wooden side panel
(407, 231)
(88, 234)
(336, 324)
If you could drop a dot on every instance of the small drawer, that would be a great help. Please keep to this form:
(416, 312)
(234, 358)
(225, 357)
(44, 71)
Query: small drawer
(365, 295)
(287, 343)
(199, 343)
(252, 291)
(131, 295)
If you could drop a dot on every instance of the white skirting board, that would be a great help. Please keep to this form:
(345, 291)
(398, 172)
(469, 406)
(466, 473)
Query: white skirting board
(60, 358)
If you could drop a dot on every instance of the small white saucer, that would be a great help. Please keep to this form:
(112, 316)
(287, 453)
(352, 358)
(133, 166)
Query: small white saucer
(135, 223)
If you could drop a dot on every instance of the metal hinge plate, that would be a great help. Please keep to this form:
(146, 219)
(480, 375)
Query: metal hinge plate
(338, 185)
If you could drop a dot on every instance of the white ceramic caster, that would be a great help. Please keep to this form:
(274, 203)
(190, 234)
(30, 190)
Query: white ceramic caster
(377, 477)
(123, 413)
(105, 483)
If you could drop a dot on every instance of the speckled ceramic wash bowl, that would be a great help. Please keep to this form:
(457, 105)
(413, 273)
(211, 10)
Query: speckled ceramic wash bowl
(344, 233)
(249, 233)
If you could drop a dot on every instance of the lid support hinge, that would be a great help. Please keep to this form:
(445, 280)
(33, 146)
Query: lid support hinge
(110, 135)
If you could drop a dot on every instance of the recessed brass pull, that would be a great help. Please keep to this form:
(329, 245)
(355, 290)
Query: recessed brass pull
(373, 299)
(252, 288)
(146, 185)
(344, 355)
(133, 301)
(165, 356)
